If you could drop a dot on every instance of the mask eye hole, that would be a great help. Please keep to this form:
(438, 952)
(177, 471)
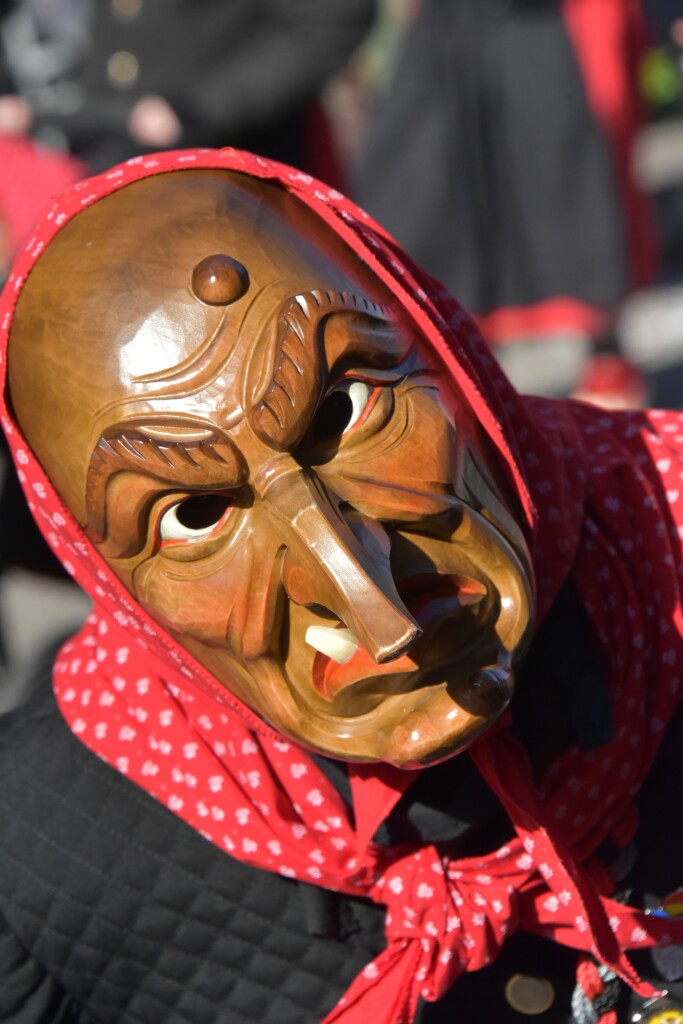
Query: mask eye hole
(194, 517)
(341, 409)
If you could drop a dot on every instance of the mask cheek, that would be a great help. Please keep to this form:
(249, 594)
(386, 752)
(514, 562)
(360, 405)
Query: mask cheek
(185, 603)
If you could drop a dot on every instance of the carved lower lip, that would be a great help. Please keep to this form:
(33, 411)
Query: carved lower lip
(431, 600)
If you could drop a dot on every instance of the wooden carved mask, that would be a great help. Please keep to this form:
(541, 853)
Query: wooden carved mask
(275, 464)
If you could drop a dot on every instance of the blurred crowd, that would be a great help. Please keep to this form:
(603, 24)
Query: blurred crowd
(105, 80)
(497, 139)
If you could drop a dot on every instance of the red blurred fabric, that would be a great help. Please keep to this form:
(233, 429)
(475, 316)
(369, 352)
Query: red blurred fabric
(31, 176)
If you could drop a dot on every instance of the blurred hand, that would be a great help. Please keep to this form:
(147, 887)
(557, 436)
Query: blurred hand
(15, 115)
(152, 122)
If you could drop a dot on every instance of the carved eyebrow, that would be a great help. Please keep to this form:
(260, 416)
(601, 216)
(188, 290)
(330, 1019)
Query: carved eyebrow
(315, 330)
(192, 463)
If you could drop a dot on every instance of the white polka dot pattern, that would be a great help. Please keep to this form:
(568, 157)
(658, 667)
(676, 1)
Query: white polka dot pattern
(600, 495)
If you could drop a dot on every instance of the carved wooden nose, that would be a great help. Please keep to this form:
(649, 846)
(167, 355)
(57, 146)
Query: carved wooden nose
(328, 566)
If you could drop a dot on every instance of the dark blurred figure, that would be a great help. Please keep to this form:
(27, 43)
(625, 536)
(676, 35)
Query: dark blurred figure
(663, 16)
(662, 84)
(500, 158)
(108, 79)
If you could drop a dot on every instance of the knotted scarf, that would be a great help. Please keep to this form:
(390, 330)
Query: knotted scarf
(600, 499)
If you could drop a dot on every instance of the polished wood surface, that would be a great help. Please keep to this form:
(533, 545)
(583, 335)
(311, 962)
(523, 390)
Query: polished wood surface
(273, 462)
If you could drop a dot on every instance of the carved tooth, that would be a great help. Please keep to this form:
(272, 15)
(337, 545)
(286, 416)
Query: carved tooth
(338, 644)
(303, 306)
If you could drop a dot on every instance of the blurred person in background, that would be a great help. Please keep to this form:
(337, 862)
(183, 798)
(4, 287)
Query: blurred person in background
(109, 80)
(500, 157)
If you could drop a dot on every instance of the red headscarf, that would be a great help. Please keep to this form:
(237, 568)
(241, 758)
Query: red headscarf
(600, 495)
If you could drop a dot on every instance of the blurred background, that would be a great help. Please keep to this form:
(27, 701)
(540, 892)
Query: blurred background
(529, 153)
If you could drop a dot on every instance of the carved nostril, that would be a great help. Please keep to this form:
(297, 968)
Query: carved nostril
(219, 280)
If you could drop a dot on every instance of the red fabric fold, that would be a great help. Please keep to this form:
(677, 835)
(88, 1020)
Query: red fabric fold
(599, 496)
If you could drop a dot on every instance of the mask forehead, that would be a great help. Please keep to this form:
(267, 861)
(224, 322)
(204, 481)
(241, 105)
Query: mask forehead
(114, 296)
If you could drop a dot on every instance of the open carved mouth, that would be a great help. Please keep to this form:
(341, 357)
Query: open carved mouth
(435, 601)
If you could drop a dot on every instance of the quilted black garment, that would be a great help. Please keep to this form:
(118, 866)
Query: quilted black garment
(114, 911)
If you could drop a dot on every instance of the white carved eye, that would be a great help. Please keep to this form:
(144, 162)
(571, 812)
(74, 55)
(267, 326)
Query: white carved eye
(194, 517)
(342, 409)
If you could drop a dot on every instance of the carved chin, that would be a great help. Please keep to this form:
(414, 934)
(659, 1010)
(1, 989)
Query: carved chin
(426, 724)
(404, 713)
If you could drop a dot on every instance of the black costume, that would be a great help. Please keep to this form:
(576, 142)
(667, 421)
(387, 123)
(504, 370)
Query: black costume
(486, 159)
